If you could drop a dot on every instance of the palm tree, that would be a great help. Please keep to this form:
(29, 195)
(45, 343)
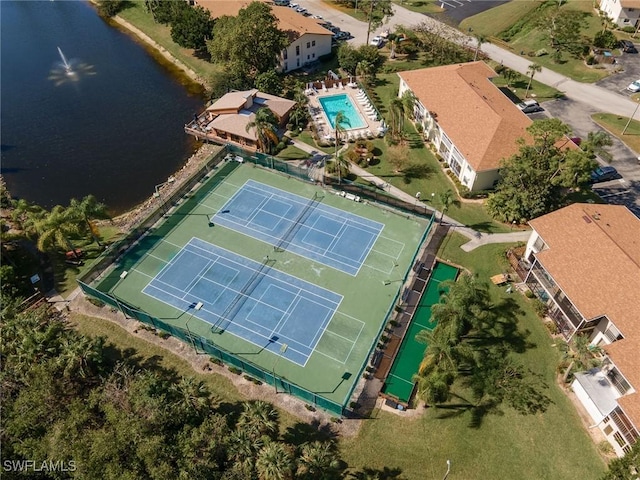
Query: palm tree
(26, 216)
(339, 162)
(509, 75)
(56, 229)
(264, 124)
(531, 70)
(396, 112)
(596, 144)
(364, 68)
(480, 39)
(409, 102)
(89, 209)
(447, 199)
(260, 419)
(318, 461)
(80, 356)
(274, 462)
(193, 395)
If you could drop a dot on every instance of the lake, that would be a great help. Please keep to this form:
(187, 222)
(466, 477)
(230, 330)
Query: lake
(112, 126)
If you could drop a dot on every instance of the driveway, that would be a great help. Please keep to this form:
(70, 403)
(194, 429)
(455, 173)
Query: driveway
(457, 10)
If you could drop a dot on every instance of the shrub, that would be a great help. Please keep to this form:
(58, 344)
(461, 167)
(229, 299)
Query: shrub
(96, 302)
(335, 420)
(542, 52)
(419, 128)
(552, 327)
(311, 408)
(215, 360)
(354, 405)
(628, 29)
(529, 294)
(590, 60)
(540, 308)
(605, 39)
(234, 370)
(604, 446)
(393, 323)
(164, 335)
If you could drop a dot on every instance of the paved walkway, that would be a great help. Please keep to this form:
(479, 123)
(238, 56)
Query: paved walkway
(476, 239)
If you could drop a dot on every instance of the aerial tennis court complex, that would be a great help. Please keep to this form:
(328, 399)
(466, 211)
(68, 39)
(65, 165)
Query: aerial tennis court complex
(284, 279)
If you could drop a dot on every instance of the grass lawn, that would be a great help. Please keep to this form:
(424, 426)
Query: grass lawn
(293, 153)
(306, 137)
(492, 22)
(615, 124)
(136, 15)
(550, 445)
(530, 38)
(539, 91)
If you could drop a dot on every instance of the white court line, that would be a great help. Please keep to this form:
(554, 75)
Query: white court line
(198, 275)
(400, 378)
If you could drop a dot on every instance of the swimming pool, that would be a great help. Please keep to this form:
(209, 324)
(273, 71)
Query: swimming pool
(342, 103)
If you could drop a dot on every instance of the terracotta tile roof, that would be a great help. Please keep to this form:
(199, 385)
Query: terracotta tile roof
(278, 105)
(291, 22)
(594, 256)
(478, 118)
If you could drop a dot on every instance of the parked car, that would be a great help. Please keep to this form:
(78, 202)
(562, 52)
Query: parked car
(634, 86)
(530, 106)
(627, 46)
(376, 41)
(603, 174)
(281, 3)
(344, 35)
(293, 5)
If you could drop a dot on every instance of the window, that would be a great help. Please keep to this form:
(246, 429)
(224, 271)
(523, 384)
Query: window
(284, 54)
(313, 43)
(308, 57)
(297, 62)
(626, 20)
(297, 49)
(286, 66)
(308, 44)
(313, 55)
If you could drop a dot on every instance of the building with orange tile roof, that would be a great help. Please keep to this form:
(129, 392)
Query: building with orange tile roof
(472, 124)
(583, 261)
(308, 40)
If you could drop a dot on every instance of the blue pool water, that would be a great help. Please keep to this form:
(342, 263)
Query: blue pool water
(342, 103)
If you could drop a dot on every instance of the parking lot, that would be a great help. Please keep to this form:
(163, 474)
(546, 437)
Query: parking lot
(630, 71)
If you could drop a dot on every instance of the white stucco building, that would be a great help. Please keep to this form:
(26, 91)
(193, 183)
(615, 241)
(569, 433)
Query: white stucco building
(625, 13)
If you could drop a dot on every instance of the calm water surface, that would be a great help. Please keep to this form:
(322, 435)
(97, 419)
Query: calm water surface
(113, 128)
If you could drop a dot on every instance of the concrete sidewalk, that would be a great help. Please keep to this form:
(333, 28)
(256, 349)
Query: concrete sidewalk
(476, 239)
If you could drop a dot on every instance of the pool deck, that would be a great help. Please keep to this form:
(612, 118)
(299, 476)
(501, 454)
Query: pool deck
(373, 119)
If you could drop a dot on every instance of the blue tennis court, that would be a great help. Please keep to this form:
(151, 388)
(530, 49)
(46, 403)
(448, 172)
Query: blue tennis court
(251, 300)
(331, 236)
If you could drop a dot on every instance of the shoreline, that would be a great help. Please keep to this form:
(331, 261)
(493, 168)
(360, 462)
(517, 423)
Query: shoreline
(132, 216)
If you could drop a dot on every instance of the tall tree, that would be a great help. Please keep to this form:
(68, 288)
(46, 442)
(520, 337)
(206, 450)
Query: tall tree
(480, 39)
(563, 27)
(250, 42)
(269, 82)
(89, 209)
(265, 127)
(260, 419)
(275, 462)
(447, 198)
(409, 103)
(57, 229)
(596, 145)
(532, 69)
(318, 461)
(377, 11)
(396, 118)
(191, 28)
(533, 181)
(363, 69)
